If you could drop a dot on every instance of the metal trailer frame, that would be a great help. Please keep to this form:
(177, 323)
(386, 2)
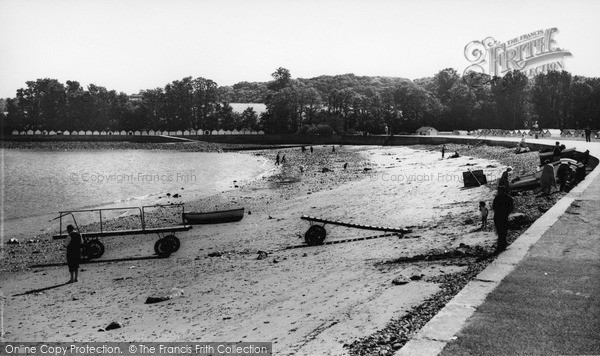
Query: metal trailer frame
(93, 248)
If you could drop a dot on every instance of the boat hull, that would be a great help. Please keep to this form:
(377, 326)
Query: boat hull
(215, 217)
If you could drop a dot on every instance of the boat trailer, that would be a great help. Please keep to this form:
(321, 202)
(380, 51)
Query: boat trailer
(315, 235)
(92, 248)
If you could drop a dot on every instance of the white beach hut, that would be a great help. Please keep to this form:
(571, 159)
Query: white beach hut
(102, 133)
(15, 132)
(137, 133)
(30, 132)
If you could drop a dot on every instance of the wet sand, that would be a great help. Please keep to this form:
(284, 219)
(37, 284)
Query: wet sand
(306, 300)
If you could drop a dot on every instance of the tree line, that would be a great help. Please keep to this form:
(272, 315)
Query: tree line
(341, 103)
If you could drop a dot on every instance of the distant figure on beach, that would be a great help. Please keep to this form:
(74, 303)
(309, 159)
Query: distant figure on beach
(345, 165)
(556, 151)
(311, 149)
(484, 214)
(283, 159)
(522, 143)
(547, 180)
(455, 155)
(277, 159)
(504, 182)
(443, 151)
(73, 245)
(303, 148)
(588, 134)
(386, 130)
(503, 206)
(333, 148)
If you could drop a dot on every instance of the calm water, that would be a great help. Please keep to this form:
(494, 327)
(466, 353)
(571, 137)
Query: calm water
(39, 184)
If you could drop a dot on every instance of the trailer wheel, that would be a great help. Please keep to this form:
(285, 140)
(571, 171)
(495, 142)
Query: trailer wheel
(174, 242)
(163, 248)
(315, 235)
(97, 248)
(91, 249)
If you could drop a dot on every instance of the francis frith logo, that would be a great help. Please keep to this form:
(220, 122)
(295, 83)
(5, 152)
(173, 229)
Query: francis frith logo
(532, 53)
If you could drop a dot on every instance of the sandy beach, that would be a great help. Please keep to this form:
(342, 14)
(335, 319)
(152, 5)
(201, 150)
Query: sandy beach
(332, 299)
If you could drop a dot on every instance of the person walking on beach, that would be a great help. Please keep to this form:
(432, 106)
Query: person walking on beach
(283, 159)
(277, 159)
(73, 245)
(588, 134)
(484, 214)
(333, 148)
(502, 205)
(311, 149)
(443, 151)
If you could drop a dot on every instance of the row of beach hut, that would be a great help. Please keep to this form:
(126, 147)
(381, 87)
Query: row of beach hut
(570, 133)
(138, 133)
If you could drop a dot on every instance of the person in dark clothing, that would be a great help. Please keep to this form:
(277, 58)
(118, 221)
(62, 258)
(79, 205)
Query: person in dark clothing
(502, 206)
(443, 151)
(73, 245)
(563, 174)
(277, 159)
(556, 151)
(311, 149)
(588, 135)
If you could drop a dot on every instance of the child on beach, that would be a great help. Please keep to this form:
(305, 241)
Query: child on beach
(73, 245)
(484, 214)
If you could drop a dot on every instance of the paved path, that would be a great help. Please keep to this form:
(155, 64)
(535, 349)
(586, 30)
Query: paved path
(540, 297)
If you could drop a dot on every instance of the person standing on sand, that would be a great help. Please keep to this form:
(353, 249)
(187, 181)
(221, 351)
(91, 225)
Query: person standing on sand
(588, 134)
(73, 245)
(277, 159)
(311, 149)
(502, 205)
(484, 214)
(443, 151)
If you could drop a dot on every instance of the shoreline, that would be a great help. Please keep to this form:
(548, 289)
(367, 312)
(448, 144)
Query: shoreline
(237, 246)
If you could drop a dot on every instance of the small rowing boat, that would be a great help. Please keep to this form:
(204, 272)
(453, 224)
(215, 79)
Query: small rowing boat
(215, 217)
(532, 180)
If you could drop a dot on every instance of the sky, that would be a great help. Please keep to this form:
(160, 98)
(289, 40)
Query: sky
(133, 45)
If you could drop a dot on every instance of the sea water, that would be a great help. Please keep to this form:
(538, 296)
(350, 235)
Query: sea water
(37, 184)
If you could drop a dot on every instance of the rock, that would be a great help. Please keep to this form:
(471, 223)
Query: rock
(161, 297)
(325, 170)
(415, 278)
(262, 255)
(113, 325)
(366, 169)
(176, 195)
(468, 221)
(215, 254)
(518, 219)
(101, 330)
(168, 194)
(305, 254)
(400, 281)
